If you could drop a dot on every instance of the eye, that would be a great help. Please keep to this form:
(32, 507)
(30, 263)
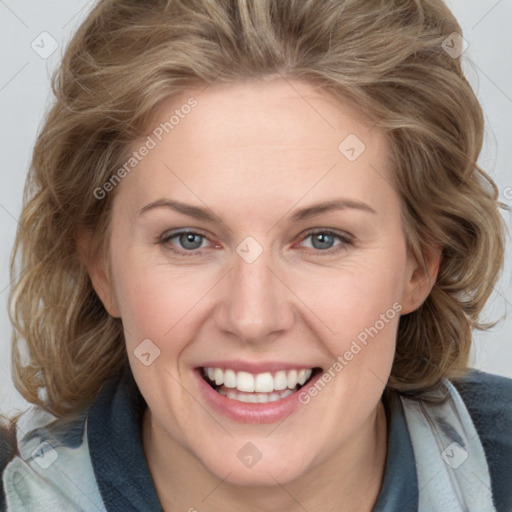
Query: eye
(189, 241)
(323, 241)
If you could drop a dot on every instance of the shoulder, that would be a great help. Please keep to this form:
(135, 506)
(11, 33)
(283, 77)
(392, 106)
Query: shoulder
(488, 399)
(52, 458)
(7, 447)
(7, 451)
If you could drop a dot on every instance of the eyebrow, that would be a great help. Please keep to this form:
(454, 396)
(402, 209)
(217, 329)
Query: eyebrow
(304, 213)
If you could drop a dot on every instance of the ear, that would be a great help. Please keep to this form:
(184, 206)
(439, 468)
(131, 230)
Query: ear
(420, 277)
(97, 269)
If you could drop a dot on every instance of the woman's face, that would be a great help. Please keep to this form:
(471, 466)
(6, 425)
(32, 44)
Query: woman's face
(234, 278)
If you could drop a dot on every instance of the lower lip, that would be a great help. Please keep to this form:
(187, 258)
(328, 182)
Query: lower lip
(243, 412)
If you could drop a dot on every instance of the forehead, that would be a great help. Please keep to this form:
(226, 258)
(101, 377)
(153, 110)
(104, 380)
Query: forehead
(259, 140)
(273, 113)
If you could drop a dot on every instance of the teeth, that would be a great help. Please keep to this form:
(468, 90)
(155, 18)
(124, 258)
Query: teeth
(244, 382)
(260, 383)
(280, 381)
(292, 379)
(219, 376)
(264, 383)
(254, 398)
(230, 379)
(301, 377)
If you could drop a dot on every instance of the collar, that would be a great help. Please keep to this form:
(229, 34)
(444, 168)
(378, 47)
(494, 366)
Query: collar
(115, 445)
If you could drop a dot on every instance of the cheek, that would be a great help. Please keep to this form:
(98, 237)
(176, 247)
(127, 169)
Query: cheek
(359, 308)
(355, 297)
(158, 301)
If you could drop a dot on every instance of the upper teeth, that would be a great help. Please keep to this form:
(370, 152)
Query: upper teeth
(260, 382)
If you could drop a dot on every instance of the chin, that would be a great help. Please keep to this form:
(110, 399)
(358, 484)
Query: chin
(247, 465)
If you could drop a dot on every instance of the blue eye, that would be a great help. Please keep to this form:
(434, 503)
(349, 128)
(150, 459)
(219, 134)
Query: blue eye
(190, 242)
(322, 241)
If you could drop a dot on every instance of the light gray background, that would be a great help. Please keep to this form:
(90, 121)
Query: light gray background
(24, 96)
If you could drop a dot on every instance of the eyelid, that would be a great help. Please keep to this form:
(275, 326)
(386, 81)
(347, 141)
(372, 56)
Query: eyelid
(345, 237)
(167, 236)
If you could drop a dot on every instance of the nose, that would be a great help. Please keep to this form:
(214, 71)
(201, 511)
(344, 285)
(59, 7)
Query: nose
(257, 306)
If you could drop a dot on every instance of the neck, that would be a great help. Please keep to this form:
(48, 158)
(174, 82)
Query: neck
(348, 480)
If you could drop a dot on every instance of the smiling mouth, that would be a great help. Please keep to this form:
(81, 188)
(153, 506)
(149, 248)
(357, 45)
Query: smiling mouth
(257, 388)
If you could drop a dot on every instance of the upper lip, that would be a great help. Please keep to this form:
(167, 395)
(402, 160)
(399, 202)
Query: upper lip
(255, 367)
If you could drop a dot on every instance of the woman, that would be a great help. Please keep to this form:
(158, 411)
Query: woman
(255, 246)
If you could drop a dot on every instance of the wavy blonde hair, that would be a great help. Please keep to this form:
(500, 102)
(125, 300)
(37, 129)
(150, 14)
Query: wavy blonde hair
(129, 56)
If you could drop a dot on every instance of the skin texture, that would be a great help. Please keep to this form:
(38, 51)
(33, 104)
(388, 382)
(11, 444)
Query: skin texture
(254, 153)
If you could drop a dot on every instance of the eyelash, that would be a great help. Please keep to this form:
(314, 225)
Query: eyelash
(346, 240)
